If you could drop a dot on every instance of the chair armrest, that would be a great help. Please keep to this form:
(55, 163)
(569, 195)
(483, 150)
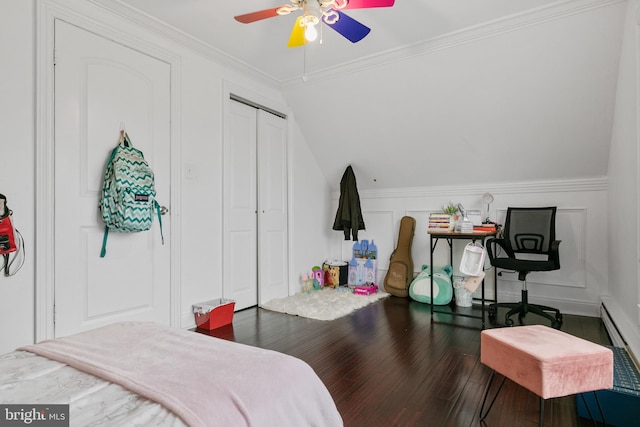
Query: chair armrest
(491, 244)
(554, 253)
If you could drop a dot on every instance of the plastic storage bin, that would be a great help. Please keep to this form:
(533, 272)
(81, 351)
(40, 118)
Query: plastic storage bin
(214, 314)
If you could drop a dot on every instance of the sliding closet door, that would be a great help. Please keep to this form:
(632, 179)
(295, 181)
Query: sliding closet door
(240, 244)
(272, 205)
(255, 212)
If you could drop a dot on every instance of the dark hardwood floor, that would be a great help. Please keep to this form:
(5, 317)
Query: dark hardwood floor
(388, 365)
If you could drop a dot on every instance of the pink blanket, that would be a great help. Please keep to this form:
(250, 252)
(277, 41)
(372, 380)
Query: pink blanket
(204, 380)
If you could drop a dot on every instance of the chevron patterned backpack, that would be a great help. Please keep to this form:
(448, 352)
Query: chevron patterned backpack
(128, 201)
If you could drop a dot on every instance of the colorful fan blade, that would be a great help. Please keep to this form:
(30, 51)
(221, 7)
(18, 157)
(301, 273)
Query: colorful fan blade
(297, 35)
(364, 4)
(257, 16)
(349, 27)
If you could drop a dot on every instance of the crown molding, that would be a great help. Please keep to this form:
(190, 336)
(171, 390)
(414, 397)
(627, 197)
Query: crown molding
(529, 18)
(161, 28)
(529, 187)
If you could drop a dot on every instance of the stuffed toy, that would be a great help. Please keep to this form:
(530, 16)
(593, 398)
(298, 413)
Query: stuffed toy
(420, 288)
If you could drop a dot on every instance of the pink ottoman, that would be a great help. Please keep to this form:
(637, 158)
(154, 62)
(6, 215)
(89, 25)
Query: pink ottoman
(548, 362)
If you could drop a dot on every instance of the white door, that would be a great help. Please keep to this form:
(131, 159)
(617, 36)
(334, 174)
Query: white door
(101, 86)
(272, 207)
(240, 271)
(255, 188)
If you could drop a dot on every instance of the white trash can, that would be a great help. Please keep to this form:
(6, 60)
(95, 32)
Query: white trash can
(463, 297)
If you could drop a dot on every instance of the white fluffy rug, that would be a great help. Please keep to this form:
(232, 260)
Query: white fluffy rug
(325, 304)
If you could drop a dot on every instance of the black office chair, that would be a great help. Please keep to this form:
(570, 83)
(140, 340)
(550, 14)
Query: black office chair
(526, 231)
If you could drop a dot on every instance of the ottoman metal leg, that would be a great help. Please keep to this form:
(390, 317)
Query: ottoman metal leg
(595, 394)
(486, 393)
(495, 396)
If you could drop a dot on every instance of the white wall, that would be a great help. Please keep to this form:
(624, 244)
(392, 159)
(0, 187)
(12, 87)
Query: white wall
(580, 224)
(308, 200)
(624, 211)
(200, 94)
(17, 164)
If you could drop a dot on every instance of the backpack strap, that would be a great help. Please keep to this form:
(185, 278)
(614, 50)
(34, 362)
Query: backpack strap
(103, 252)
(19, 254)
(157, 205)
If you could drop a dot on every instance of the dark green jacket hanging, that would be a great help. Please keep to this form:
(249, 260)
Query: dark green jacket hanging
(349, 215)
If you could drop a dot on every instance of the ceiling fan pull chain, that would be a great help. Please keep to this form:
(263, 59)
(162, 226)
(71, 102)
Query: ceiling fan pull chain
(304, 64)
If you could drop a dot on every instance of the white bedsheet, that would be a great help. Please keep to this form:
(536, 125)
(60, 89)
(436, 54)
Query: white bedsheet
(26, 378)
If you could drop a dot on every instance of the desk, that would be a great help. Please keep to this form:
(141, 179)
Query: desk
(450, 236)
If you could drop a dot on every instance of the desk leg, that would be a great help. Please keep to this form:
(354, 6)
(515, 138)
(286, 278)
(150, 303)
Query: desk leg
(482, 298)
(482, 302)
(495, 284)
(431, 248)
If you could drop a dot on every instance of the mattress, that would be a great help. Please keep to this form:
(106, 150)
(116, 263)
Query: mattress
(28, 378)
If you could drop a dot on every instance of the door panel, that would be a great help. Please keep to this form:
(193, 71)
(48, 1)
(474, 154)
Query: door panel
(240, 222)
(272, 205)
(100, 86)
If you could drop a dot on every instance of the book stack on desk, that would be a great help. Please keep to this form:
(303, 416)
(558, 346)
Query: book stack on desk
(440, 222)
(484, 227)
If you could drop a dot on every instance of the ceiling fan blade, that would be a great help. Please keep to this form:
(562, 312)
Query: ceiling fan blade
(297, 35)
(364, 4)
(349, 27)
(257, 16)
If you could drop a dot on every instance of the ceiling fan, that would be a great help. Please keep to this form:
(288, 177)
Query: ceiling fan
(329, 11)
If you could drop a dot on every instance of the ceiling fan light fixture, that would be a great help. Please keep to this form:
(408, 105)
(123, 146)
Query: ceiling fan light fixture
(310, 33)
(314, 11)
(311, 14)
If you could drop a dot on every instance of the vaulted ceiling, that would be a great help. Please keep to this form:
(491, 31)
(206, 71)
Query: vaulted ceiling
(263, 45)
(440, 92)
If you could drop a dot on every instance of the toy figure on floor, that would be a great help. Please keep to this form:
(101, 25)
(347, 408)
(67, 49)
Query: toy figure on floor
(318, 277)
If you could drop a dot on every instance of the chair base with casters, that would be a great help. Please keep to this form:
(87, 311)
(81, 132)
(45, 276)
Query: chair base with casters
(523, 307)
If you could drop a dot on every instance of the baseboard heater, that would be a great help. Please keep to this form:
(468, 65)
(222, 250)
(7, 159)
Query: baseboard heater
(620, 403)
(613, 331)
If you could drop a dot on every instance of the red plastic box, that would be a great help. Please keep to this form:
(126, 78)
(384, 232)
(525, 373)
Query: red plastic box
(214, 314)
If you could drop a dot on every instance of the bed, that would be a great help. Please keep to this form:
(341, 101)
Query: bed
(142, 374)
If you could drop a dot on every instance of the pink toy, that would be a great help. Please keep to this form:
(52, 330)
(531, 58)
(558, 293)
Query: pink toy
(366, 289)
(318, 277)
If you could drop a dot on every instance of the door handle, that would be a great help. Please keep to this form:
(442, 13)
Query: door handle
(164, 210)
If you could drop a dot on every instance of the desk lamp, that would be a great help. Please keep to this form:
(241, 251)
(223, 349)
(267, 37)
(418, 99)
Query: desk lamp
(488, 199)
